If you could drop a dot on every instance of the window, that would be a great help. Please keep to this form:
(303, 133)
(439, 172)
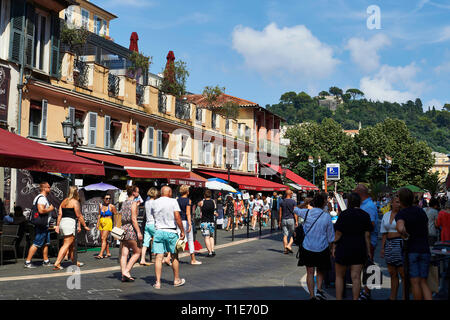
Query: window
(38, 119)
(213, 120)
(40, 40)
(92, 137)
(159, 144)
(198, 115)
(115, 133)
(184, 142)
(150, 140)
(219, 155)
(139, 138)
(236, 161)
(85, 19)
(68, 14)
(104, 27)
(207, 153)
(98, 24)
(251, 162)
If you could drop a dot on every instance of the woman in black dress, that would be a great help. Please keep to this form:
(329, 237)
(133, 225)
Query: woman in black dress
(351, 246)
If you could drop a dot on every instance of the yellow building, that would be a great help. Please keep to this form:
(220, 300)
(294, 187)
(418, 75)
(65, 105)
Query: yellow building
(441, 165)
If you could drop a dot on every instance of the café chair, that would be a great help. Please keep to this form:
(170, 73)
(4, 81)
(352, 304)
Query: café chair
(8, 238)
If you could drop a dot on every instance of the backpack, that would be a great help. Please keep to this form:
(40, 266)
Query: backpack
(299, 232)
(37, 219)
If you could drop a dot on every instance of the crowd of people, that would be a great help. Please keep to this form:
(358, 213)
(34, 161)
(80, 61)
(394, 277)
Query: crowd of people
(337, 243)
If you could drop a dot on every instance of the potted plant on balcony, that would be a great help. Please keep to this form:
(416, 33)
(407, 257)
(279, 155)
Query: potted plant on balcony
(139, 64)
(74, 40)
(229, 109)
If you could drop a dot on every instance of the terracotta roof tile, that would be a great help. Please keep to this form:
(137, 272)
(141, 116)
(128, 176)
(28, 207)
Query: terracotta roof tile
(200, 100)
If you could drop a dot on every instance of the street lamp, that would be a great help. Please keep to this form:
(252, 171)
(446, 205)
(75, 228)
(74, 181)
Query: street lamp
(73, 133)
(229, 165)
(314, 166)
(386, 166)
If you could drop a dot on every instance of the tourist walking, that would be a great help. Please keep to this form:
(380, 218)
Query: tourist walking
(230, 211)
(351, 245)
(105, 224)
(132, 233)
(412, 224)
(185, 212)
(432, 212)
(368, 206)
(208, 208)
(266, 211)
(66, 226)
(314, 253)
(166, 211)
(257, 210)
(42, 234)
(275, 208)
(392, 248)
(149, 229)
(287, 221)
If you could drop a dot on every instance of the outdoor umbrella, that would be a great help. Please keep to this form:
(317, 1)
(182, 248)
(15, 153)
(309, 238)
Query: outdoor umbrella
(216, 185)
(218, 180)
(100, 187)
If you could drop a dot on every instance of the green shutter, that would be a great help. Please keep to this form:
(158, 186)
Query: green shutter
(137, 150)
(55, 59)
(17, 29)
(29, 35)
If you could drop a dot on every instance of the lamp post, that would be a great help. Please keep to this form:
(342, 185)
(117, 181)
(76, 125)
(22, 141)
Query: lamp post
(73, 133)
(386, 166)
(314, 166)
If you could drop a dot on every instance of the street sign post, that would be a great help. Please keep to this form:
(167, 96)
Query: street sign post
(333, 171)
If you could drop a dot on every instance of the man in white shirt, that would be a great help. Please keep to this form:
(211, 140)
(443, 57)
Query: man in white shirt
(42, 234)
(166, 212)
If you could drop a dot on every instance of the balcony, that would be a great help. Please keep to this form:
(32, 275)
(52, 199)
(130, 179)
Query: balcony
(113, 85)
(182, 110)
(81, 74)
(139, 94)
(162, 102)
(272, 148)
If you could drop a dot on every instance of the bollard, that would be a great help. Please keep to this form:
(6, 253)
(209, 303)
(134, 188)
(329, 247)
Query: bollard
(406, 260)
(271, 222)
(215, 230)
(248, 223)
(232, 228)
(260, 224)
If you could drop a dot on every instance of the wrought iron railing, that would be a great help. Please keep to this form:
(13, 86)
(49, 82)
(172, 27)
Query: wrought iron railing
(162, 102)
(81, 74)
(182, 110)
(139, 94)
(113, 85)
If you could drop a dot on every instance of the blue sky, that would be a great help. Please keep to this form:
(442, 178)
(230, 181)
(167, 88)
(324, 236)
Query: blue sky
(258, 50)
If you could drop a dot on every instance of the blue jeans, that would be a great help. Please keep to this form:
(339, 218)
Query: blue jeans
(42, 237)
(419, 264)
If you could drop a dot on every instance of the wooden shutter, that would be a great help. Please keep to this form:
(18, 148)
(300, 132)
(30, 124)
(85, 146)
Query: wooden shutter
(150, 140)
(107, 131)
(235, 159)
(219, 151)
(159, 143)
(44, 119)
(17, 30)
(92, 129)
(55, 61)
(137, 150)
(29, 35)
(207, 153)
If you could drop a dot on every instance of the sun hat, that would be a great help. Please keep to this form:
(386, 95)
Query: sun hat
(180, 245)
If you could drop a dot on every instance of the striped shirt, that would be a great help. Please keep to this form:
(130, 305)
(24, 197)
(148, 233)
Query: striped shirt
(322, 233)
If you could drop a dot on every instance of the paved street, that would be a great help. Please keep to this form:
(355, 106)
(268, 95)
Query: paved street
(247, 269)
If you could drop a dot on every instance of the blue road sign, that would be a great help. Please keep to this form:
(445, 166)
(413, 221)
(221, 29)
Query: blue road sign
(333, 171)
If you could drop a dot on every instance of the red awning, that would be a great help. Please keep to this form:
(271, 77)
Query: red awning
(249, 182)
(303, 183)
(194, 181)
(141, 169)
(22, 153)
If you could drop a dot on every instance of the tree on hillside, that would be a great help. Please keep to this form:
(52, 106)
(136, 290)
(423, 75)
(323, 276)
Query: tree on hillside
(447, 106)
(355, 93)
(335, 91)
(323, 94)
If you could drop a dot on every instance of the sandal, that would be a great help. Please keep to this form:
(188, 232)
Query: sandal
(168, 263)
(57, 268)
(80, 264)
(156, 286)
(182, 282)
(127, 279)
(145, 264)
(98, 257)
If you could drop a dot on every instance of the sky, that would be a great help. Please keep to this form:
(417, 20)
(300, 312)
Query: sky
(258, 50)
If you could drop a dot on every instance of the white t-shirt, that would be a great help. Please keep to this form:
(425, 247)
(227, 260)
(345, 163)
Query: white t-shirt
(163, 210)
(266, 206)
(44, 201)
(386, 226)
(148, 212)
(258, 205)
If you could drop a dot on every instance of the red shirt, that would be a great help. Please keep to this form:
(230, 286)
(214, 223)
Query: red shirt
(443, 221)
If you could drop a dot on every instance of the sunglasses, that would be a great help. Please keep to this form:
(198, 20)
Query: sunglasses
(107, 198)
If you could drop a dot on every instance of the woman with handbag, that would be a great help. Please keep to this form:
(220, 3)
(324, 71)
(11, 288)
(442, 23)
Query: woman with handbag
(351, 246)
(230, 210)
(66, 225)
(105, 224)
(131, 233)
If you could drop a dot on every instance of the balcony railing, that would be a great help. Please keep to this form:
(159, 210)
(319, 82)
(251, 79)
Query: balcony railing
(113, 85)
(182, 110)
(139, 94)
(162, 102)
(81, 74)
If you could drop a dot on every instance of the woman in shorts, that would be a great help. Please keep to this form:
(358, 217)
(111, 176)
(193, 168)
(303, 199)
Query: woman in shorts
(106, 211)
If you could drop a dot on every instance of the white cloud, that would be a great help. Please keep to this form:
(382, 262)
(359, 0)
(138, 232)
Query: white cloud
(433, 103)
(443, 68)
(290, 50)
(364, 53)
(443, 36)
(394, 84)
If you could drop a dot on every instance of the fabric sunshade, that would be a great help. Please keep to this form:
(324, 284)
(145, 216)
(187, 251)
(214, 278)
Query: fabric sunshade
(304, 184)
(141, 169)
(194, 180)
(249, 182)
(22, 153)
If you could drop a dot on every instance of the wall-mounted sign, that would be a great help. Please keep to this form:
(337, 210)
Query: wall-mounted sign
(5, 77)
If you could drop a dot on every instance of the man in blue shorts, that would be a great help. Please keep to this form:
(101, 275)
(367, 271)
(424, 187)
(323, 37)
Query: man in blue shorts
(167, 218)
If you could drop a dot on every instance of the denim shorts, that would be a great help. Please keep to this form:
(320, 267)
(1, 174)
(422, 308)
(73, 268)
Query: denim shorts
(207, 229)
(41, 238)
(164, 241)
(419, 264)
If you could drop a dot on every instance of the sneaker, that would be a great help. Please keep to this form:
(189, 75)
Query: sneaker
(47, 264)
(213, 253)
(29, 265)
(321, 295)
